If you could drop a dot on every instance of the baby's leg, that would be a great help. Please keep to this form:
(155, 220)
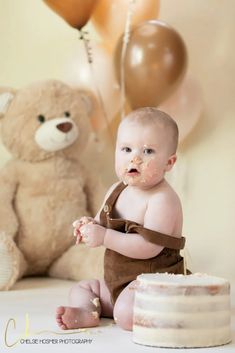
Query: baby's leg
(123, 308)
(88, 300)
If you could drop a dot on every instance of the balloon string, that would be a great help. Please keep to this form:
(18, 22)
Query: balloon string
(88, 49)
(126, 38)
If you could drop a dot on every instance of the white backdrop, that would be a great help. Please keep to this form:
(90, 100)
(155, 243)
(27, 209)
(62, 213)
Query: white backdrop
(35, 44)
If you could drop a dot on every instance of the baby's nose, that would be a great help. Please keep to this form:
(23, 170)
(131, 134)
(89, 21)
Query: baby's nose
(136, 160)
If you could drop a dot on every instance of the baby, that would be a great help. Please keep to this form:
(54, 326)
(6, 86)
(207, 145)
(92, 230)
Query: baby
(139, 224)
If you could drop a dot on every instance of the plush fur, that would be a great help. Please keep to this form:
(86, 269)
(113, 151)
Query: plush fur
(44, 187)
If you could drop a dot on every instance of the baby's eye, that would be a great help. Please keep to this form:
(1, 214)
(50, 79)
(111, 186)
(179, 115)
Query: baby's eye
(148, 151)
(126, 149)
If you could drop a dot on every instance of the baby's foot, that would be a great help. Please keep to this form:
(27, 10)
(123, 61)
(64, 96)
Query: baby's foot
(71, 318)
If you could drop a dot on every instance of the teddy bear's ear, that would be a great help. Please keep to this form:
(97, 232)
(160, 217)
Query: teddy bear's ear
(5, 101)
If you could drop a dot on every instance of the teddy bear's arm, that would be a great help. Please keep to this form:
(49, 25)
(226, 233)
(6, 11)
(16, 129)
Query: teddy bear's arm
(95, 192)
(8, 186)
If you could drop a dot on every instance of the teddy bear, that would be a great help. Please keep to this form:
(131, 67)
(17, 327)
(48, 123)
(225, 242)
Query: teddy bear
(44, 187)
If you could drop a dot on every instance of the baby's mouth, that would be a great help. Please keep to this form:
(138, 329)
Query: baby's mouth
(133, 172)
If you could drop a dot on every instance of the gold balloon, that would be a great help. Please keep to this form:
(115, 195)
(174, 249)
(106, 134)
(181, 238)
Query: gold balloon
(109, 16)
(75, 12)
(154, 64)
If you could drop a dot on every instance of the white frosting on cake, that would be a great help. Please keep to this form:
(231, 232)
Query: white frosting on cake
(181, 311)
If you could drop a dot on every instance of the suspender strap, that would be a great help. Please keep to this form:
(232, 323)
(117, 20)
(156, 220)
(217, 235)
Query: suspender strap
(158, 238)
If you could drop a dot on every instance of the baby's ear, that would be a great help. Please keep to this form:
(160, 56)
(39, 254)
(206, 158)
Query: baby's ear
(6, 98)
(171, 161)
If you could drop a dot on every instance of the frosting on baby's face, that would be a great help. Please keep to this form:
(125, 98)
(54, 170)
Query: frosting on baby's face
(142, 154)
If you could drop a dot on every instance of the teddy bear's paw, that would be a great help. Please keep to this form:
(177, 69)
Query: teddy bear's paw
(9, 262)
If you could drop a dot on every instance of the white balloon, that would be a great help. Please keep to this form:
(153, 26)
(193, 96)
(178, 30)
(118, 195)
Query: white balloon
(98, 77)
(185, 105)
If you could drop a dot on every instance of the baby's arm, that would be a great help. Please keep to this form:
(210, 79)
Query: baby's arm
(160, 216)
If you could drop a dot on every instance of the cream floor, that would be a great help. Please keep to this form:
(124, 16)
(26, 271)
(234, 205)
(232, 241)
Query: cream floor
(32, 303)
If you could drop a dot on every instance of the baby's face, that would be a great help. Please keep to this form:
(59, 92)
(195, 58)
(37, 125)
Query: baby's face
(142, 154)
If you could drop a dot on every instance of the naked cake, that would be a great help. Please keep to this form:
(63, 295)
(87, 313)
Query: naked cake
(181, 311)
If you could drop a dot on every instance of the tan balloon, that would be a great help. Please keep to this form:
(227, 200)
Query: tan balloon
(154, 64)
(75, 12)
(109, 16)
(114, 123)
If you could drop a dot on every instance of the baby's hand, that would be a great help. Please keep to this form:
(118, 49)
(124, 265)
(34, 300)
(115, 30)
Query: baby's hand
(78, 224)
(93, 235)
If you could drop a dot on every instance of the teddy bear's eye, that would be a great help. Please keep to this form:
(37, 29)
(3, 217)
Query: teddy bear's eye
(41, 118)
(67, 114)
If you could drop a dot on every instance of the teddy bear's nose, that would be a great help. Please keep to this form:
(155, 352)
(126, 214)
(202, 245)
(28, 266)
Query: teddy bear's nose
(64, 127)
